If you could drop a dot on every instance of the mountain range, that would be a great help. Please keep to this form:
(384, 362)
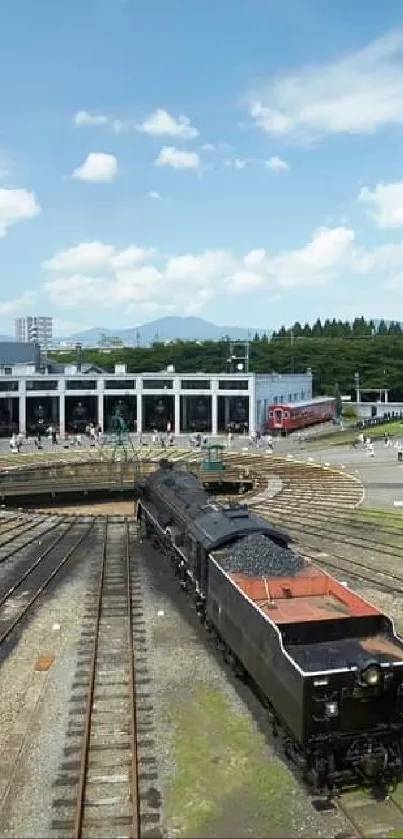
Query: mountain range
(166, 329)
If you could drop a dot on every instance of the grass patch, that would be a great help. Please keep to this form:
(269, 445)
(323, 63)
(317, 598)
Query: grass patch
(220, 758)
(374, 515)
(337, 438)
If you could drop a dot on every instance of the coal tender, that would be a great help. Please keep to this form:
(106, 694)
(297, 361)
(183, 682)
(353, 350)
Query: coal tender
(327, 663)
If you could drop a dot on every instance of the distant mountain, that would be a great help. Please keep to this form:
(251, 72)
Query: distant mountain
(167, 329)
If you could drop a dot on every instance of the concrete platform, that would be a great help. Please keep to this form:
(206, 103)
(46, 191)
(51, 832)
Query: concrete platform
(381, 475)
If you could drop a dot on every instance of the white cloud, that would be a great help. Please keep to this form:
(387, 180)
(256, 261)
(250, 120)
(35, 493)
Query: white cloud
(327, 255)
(9, 307)
(83, 118)
(276, 164)
(90, 256)
(356, 94)
(154, 195)
(160, 123)
(97, 168)
(178, 159)
(235, 163)
(385, 203)
(16, 205)
(97, 274)
(243, 281)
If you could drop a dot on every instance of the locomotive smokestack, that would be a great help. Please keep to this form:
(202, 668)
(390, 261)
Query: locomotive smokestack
(165, 463)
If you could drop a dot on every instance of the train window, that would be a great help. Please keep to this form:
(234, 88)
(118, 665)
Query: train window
(286, 414)
(271, 413)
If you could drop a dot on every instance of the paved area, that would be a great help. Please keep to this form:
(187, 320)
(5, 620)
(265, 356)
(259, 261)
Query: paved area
(381, 475)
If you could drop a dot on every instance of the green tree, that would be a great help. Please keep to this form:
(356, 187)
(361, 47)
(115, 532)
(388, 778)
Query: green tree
(317, 328)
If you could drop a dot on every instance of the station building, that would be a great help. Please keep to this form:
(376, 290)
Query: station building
(72, 396)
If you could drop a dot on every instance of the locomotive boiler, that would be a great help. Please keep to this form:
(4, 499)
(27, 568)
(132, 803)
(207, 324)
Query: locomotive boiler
(328, 664)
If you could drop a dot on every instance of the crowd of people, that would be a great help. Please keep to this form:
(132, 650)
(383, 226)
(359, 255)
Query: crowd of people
(91, 432)
(388, 441)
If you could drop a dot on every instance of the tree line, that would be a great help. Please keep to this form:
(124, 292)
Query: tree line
(358, 328)
(372, 353)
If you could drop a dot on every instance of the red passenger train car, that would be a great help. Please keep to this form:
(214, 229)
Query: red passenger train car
(296, 415)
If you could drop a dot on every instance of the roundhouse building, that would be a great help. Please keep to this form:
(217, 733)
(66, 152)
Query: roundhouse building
(71, 396)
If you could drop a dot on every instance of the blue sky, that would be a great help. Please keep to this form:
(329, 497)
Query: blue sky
(241, 160)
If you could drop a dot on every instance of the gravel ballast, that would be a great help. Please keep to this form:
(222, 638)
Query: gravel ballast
(258, 556)
(39, 729)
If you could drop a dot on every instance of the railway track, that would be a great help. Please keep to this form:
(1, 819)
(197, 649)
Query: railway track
(328, 531)
(369, 818)
(39, 573)
(37, 528)
(109, 763)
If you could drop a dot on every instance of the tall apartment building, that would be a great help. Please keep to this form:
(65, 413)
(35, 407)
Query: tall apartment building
(34, 329)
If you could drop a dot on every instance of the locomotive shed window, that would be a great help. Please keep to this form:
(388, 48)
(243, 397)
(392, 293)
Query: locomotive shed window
(234, 384)
(81, 384)
(195, 384)
(157, 384)
(120, 384)
(8, 385)
(45, 384)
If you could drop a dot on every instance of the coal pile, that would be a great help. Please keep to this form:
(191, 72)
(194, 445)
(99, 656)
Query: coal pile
(258, 556)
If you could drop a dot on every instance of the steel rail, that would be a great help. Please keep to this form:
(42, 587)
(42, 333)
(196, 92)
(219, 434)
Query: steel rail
(29, 541)
(36, 562)
(132, 693)
(81, 787)
(45, 584)
(82, 777)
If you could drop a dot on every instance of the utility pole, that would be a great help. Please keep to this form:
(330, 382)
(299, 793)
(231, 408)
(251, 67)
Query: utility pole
(357, 387)
(292, 350)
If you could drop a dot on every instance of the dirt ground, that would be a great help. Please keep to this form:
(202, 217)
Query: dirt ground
(98, 508)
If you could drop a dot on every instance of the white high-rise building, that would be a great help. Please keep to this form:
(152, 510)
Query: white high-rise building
(34, 329)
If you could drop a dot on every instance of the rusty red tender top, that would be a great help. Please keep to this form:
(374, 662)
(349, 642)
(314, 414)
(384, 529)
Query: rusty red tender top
(310, 595)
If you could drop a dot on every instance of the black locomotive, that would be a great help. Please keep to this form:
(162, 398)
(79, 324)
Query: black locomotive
(79, 418)
(160, 415)
(327, 663)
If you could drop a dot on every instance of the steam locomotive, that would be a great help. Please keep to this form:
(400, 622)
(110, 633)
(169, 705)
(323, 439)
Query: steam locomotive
(328, 664)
